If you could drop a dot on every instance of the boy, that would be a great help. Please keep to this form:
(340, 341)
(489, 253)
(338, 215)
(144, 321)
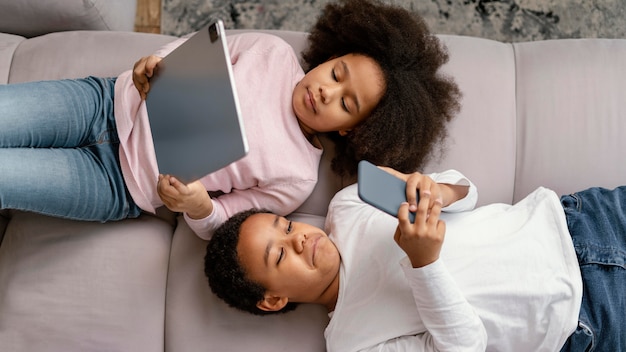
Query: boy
(507, 278)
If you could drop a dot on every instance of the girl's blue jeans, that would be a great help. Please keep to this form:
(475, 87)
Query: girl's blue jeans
(597, 222)
(59, 150)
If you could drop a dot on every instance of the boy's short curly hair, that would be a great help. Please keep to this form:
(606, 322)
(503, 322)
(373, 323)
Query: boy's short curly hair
(227, 278)
(413, 113)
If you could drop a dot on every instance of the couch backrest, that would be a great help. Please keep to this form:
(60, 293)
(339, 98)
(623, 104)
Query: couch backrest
(546, 113)
(76, 54)
(481, 141)
(30, 18)
(571, 114)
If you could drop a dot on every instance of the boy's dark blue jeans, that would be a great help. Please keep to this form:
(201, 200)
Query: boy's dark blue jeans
(596, 219)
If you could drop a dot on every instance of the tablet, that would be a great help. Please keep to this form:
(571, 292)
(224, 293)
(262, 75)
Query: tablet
(193, 107)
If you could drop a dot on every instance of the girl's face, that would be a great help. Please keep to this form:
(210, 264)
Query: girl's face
(338, 94)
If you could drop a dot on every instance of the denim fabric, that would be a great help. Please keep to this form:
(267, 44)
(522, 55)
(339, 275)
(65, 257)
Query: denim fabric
(59, 150)
(597, 222)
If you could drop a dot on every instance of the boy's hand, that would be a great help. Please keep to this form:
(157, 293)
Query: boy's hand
(142, 72)
(191, 198)
(423, 239)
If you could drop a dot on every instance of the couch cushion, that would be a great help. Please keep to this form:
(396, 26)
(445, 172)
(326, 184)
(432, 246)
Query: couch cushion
(196, 320)
(571, 108)
(78, 54)
(36, 17)
(481, 140)
(80, 286)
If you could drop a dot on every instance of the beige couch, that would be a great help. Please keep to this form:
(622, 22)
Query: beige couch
(547, 113)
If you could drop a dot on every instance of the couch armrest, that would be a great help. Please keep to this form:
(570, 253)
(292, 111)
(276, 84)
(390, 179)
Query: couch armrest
(30, 18)
(8, 45)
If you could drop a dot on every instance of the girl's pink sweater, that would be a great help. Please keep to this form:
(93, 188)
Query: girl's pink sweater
(280, 170)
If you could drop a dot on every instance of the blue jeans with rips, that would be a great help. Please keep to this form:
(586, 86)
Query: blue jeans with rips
(59, 150)
(597, 222)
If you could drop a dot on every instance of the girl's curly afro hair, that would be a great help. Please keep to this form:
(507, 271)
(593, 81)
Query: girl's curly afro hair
(418, 101)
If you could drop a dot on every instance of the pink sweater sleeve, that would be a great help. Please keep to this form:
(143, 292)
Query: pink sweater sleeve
(281, 200)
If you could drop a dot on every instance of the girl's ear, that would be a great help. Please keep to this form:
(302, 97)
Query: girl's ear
(272, 303)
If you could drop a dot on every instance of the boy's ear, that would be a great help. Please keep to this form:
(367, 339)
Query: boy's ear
(272, 303)
(343, 133)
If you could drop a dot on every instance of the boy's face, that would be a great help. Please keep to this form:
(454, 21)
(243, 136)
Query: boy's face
(291, 260)
(338, 94)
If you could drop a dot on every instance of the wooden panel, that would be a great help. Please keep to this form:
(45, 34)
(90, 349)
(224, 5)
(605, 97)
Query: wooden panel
(148, 18)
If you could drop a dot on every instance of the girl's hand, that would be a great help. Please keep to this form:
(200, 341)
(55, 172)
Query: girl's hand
(417, 181)
(191, 198)
(142, 72)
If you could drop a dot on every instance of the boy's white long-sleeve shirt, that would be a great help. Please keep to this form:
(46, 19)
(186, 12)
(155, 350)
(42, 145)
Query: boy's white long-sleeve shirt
(507, 280)
(281, 168)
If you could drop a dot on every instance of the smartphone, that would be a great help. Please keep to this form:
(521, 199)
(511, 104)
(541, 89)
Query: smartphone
(381, 189)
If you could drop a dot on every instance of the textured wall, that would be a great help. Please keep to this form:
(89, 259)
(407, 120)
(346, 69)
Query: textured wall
(505, 20)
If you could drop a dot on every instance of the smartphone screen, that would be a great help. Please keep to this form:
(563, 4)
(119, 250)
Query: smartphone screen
(381, 189)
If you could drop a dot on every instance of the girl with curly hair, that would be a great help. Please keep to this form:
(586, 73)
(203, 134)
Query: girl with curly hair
(418, 101)
(82, 149)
